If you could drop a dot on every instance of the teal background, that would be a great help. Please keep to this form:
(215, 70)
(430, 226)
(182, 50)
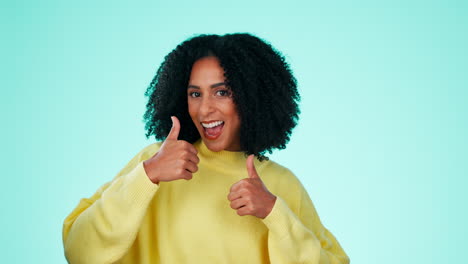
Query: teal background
(381, 145)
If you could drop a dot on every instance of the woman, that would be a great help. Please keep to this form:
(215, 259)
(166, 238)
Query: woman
(217, 102)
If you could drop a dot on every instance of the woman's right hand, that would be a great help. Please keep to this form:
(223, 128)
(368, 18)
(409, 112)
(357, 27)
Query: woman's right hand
(176, 159)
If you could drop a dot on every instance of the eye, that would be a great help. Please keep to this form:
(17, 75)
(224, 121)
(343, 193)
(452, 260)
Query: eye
(223, 93)
(194, 94)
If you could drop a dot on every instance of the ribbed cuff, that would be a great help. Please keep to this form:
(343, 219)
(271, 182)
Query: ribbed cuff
(139, 187)
(281, 219)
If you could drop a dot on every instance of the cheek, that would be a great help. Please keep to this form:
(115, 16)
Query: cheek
(231, 111)
(192, 109)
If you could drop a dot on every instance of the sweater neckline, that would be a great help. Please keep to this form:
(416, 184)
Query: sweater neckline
(228, 157)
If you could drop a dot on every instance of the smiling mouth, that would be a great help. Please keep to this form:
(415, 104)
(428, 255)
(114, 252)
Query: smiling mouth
(212, 130)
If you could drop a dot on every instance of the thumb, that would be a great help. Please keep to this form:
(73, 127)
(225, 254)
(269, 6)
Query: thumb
(174, 133)
(251, 167)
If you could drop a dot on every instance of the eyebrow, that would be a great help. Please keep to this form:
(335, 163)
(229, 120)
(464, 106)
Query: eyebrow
(211, 86)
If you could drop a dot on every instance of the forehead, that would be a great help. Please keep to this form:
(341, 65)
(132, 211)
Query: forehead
(206, 70)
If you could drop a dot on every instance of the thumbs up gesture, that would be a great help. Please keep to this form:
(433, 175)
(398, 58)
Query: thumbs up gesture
(176, 159)
(250, 196)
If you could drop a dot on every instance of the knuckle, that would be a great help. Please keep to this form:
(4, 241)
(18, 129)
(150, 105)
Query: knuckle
(179, 163)
(188, 153)
(180, 171)
(232, 188)
(241, 184)
(188, 147)
(191, 148)
(184, 154)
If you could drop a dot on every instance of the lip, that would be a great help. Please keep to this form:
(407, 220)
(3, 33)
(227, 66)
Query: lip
(210, 121)
(212, 136)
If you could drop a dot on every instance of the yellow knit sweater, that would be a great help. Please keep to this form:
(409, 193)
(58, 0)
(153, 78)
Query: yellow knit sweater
(132, 220)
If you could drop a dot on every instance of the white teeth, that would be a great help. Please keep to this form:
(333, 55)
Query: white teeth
(212, 124)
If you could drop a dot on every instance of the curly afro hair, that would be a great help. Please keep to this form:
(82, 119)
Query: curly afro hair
(263, 86)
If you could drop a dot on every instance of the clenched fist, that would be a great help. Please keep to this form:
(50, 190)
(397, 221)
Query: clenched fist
(250, 196)
(176, 159)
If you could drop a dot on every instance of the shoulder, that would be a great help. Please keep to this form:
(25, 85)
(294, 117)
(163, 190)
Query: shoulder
(144, 154)
(149, 150)
(277, 174)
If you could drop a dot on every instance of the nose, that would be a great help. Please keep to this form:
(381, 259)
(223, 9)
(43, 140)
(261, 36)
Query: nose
(206, 107)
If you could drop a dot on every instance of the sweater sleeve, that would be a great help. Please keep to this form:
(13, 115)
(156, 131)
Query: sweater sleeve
(301, 238)
(103, 227)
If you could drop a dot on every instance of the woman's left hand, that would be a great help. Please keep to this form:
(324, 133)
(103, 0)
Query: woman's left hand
(250, 196)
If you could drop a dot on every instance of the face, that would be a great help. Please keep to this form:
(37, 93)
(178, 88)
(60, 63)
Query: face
(211, 106)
